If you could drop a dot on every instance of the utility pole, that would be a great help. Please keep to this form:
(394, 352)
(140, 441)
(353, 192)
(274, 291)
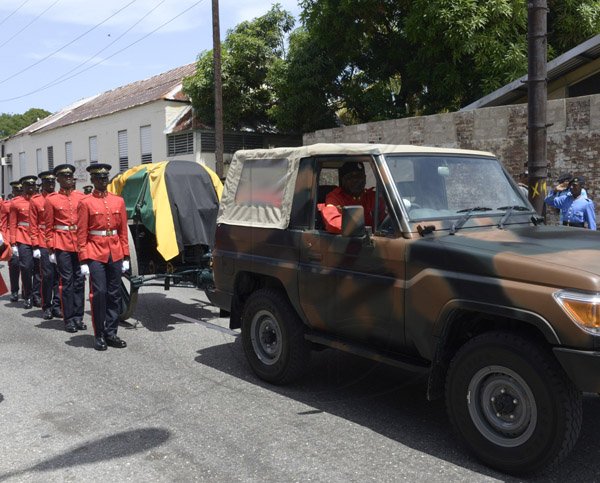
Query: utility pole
(218, 89)
(537, 100)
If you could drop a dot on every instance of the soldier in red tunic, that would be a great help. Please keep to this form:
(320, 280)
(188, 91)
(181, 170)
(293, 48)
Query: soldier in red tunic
(61, 240)
(13, 263)
(50, 300)
(18, 225)
(104, 253)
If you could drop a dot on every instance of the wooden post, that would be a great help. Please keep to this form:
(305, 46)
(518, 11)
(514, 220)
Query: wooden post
(218, 90)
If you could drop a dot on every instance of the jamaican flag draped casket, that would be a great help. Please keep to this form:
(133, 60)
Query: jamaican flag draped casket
(178, 201)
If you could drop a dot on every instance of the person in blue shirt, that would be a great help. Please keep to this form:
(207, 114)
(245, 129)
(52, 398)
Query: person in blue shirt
(576, 209)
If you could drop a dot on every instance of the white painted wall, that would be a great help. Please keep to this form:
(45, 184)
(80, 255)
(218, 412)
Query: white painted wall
(156, 114)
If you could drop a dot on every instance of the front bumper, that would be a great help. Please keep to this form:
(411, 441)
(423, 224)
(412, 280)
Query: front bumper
(583, 367)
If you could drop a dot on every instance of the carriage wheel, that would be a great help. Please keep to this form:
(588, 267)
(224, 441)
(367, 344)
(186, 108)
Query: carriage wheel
(129, 293)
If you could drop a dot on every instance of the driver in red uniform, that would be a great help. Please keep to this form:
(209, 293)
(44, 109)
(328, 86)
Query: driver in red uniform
(351, 192)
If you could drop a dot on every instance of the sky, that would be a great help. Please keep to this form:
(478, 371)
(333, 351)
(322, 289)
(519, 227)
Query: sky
(56, 52)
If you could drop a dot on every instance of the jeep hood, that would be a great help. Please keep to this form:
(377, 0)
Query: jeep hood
(546, 255)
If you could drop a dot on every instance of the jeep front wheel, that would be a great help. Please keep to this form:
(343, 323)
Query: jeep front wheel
(512, 404)
(273, 337)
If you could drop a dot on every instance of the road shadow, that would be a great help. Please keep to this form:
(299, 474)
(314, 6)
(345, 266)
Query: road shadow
(81, 340)
(150, 304)
(33, 313)
(392, 403)
(1, 397)
(111, 447)
(55, 324)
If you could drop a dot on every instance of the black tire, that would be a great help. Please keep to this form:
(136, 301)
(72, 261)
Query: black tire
(273, 337)
(532, 413)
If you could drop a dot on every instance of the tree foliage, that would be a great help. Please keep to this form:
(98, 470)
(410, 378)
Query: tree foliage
(251, 53)
(13, 123)
(365, 60)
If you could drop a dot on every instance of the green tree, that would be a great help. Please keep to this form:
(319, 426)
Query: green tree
(251, 54)
(381, 59)
(12, 123)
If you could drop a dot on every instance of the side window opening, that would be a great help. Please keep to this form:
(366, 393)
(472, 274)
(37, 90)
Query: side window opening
(302, 206)
(328, 180)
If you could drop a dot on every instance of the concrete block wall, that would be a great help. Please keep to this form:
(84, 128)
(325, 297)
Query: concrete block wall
(573, 136)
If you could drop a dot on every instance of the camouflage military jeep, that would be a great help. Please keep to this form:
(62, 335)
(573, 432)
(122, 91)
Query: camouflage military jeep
(458, 279)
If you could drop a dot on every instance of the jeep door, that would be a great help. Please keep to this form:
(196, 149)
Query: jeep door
(353, 287)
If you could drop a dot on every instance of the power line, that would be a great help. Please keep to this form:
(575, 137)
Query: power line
(15, 11)
(27, 26)
(62, 80)
(67, 44)
(95, 54)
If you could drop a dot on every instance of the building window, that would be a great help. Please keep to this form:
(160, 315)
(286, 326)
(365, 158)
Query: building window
(69, 152)
(50, 157)
(93, 149)
(38, 159)
(22, 160)
(123, 158)
(146, 144)
(181, 143)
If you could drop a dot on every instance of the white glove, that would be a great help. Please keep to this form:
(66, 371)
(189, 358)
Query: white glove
(125, 266)
(15, 251)
(1, 239)
(52, 258)
(85, 270)
(37, 253)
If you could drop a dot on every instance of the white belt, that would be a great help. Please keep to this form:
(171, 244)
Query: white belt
(103, 232)
(43, 227)
(23, 223)
(65, 227)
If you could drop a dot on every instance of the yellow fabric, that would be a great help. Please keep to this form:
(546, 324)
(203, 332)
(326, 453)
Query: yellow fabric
(117, 184)
(215, 181)
(166, 239)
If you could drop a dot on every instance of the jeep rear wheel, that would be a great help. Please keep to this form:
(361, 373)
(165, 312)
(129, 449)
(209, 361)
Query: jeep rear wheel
(512, 404)
(273, 337)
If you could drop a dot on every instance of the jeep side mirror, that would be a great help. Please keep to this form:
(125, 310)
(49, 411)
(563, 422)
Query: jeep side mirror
(353, 221)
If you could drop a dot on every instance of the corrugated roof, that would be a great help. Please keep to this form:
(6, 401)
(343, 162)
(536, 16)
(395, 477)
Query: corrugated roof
(162, 86)
(571, 60)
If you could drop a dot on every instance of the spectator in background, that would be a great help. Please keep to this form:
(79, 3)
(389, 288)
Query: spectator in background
(523, 183)
(576, 209)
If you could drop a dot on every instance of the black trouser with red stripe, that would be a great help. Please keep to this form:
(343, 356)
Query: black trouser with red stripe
(26, 268)
(14, 272)
(105, 296)
(71, 285)
(37, 281)
(49, 276)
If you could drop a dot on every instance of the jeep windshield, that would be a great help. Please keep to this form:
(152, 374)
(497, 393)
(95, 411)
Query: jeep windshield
(434, 187)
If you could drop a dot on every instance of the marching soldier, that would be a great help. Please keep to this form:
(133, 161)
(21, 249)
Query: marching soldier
(61, 239)
(50, 301)
(18, 223)
(104, 254)
(13, 263)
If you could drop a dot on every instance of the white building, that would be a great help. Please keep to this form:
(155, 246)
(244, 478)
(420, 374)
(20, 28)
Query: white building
(146, 121)
(123, 127)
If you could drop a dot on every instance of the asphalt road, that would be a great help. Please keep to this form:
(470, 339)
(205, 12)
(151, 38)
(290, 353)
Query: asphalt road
(180, 404)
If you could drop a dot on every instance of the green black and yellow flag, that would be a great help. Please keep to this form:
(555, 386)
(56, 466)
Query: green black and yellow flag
(178, 201)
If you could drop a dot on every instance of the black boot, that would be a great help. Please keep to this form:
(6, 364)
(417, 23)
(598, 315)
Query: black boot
(71, 327)
(99, 343)
(14, 297)
(48, 314)
(27, 304)
(114, 341)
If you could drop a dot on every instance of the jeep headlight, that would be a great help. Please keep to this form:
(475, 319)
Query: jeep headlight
(582, 308)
